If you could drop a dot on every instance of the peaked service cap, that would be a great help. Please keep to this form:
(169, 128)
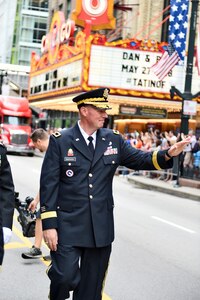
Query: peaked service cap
(97, 98)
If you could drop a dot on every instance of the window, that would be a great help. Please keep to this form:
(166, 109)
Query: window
(15, 120)
(35, 5)
(54, 84)
(39, 31)
(55, 74)
(65, 81)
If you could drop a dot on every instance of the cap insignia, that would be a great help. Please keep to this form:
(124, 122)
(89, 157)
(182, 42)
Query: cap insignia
(105, 93)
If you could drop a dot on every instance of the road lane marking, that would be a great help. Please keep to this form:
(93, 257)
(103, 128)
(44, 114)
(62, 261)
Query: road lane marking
(173, 224)
(20, 234)
(27, 243)
(14, 245)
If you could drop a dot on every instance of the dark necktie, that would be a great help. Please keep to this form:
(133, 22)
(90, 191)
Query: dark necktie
(90, 145)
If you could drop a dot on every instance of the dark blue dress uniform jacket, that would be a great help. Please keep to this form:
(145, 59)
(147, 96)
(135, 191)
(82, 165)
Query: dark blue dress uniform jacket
(76, 190)
(7, 199)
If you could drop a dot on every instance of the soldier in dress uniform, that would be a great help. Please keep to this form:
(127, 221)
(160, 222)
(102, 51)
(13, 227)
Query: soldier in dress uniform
(7, 201)
(76, 196)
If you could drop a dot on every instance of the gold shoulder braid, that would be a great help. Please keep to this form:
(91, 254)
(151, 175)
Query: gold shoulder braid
(56, 134)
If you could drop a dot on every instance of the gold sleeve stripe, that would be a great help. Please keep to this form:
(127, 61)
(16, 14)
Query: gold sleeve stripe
(155, 161)
(48, 214)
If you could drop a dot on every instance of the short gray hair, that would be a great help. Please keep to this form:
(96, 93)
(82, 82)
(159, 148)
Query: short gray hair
(39, 134)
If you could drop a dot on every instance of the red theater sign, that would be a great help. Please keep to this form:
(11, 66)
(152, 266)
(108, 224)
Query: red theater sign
(99, 13)
(60, 32)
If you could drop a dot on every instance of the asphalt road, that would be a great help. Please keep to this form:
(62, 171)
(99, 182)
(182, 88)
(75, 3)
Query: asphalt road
(155, 254)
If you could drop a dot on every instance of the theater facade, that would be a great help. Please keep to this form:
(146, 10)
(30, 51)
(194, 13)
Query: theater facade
(73, 61)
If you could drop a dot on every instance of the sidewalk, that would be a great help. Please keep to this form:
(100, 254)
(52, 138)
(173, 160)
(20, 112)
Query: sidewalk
(38, 153)
(164, 187)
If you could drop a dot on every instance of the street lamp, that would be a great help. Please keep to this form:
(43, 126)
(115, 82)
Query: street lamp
(187, 95)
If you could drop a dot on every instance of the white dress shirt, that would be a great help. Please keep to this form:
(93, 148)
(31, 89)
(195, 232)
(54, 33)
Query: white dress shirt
(85, 135)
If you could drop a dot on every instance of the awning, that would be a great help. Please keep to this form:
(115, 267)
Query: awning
(65, 103)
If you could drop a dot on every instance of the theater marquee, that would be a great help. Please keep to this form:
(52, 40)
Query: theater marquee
(128, 69)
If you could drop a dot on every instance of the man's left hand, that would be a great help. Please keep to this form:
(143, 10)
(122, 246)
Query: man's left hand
(178, 147)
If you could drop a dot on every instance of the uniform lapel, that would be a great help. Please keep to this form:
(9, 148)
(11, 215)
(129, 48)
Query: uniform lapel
(80, 144)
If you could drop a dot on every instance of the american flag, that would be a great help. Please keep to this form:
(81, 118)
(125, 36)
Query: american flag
(178, 24)
(168, 60)
(175, 52)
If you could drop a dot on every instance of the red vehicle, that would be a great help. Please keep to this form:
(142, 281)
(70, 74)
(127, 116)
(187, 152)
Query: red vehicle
(15, 120)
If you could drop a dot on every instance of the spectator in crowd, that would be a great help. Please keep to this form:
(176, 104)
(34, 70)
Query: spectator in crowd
(164, 141)
(196, 158)
(129, 139)
(147, 142)
(139, 142)
(188, 156)
(196, 146)
(196, 164)
(171, 137)
(40, 140)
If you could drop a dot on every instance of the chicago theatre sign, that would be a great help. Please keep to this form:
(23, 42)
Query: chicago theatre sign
(72, 60)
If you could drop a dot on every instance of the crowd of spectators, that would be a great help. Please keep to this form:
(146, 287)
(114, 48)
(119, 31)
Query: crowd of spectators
(188, 163)
(151, 140)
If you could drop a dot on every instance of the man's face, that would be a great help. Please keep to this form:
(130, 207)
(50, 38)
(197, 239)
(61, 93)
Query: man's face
(95, 117)
(41, 145)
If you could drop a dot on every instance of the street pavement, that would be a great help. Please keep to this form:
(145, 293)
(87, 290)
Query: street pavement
(155, 253)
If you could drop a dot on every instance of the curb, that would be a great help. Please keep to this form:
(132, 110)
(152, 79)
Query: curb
(155, 185)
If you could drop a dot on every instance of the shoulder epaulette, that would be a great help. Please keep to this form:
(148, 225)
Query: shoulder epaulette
(115, 131)
(56, 134)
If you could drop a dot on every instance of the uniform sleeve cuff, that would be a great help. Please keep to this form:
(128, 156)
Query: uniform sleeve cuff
(160, 162)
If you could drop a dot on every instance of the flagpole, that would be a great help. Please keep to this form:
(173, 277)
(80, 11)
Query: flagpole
(189, 68)
(187, 95)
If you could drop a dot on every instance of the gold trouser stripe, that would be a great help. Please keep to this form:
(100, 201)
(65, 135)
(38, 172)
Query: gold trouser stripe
(49, 267)
(155, 161)
(48, 214)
